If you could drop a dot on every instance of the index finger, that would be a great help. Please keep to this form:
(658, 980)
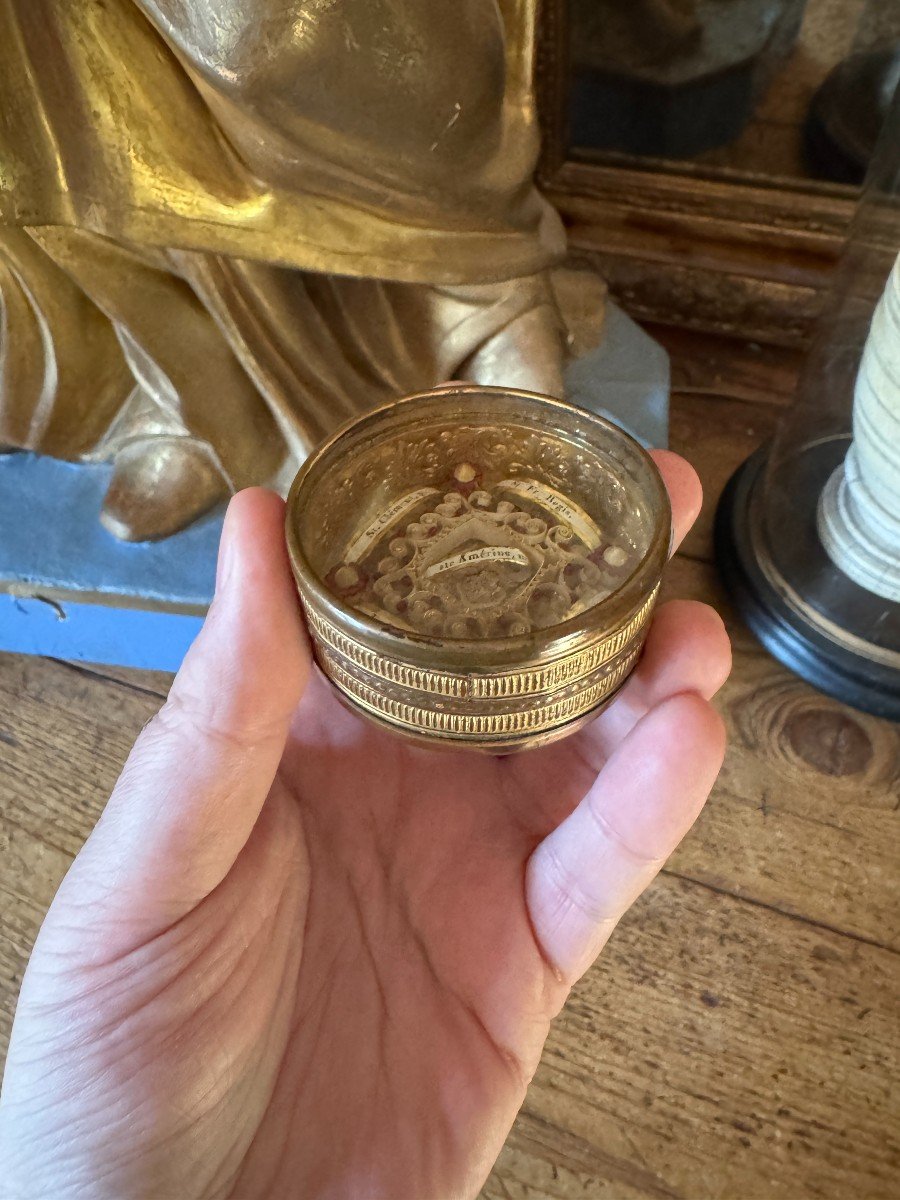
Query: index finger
(685, 492)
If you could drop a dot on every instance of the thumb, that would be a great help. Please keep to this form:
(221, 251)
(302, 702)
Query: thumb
(198, 775)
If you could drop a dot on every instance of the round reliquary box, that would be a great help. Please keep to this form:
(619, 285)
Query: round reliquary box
(477, 565)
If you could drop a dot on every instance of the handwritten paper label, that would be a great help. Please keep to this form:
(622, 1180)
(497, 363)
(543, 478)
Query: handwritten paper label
(366, 538)
(567, 510)
(480, 555)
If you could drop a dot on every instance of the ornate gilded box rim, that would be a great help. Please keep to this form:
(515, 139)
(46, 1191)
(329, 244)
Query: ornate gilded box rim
(471, 658)
(537, 679)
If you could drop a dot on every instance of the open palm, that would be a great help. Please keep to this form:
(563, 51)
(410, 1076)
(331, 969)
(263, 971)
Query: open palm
(301, 957)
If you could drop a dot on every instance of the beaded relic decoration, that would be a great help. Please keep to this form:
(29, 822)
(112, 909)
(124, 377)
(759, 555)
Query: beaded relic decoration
(476, 561)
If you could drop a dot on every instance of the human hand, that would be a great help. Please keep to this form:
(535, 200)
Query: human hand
(298, 956)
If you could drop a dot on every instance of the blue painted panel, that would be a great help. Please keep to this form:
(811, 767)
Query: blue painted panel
(50, 537)
(625, 379)
(126, 603)
(96, 633)
(52, 541)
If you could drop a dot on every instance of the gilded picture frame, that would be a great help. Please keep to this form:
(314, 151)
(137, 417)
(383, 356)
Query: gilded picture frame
(737, 254)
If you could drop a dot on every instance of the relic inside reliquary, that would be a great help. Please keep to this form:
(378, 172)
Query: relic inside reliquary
(480, 559)
(478, 565)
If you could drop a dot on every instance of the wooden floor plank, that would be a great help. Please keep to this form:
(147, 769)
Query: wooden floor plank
(716, 433)
(71, 734)
(152, 683)
(710, 1022)
(717, 1050)
(729, 367)
(804, 814)
(736, 1041)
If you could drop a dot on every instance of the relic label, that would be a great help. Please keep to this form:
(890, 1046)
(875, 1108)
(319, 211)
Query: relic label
(366, 539)
(481, 554)
(567, 510)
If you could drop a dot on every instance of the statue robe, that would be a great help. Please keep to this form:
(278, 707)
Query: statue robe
(242, 222)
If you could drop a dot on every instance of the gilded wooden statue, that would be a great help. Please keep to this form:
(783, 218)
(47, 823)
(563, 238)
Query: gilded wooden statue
(228, 225)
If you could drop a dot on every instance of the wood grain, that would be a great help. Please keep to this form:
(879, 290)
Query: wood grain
(716, 434)
(804, 816)
(717, 1050)
(64, 735)
(738, 369)
(738, 1040)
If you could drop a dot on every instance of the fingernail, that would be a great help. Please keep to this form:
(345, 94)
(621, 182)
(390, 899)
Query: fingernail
(225, 561)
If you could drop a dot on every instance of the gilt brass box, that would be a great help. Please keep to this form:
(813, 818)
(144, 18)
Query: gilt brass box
(478, 566)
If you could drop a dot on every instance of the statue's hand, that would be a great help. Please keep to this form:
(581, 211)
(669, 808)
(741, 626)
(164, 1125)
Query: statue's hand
(298, 957)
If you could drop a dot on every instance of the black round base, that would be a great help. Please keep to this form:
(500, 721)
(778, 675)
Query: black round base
(856, 679)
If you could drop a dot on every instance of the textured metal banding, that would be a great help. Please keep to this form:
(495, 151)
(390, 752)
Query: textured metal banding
(507, 704)
(499, 724)
(525, 681)
(517, 684)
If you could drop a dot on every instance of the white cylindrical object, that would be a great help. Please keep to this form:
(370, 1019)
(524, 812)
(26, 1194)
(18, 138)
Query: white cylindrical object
(859, 510)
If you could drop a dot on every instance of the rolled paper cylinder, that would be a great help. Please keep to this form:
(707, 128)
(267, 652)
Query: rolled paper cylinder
(859, 510)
